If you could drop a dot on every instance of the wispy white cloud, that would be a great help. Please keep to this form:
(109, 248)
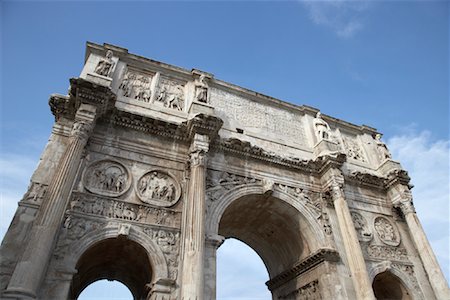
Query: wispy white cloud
(427, 162)
(344, 17)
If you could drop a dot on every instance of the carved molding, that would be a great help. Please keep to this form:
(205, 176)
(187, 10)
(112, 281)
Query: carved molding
(246, 149)
(107, 177)
(217, 183)
(159, 188)
(83, 203)
(366, 179)
(384, 252)
(301, 267)
(309, 291)
(85, 91)
(153, 126)
(386, 231)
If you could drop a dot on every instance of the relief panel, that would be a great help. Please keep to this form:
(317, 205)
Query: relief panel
(170, 94)
(107, 177)
(158, 188)
(136, 85)
(386, 231)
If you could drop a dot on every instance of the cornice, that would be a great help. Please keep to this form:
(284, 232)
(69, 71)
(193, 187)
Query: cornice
(246, 149)
(87, 92)
(398, 177)
(366, 179)
(154, 126)
(203, 124)
(301, 267)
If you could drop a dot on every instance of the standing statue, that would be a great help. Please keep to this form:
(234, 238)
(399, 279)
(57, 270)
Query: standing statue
(322, 127)
(383, 152)
(105, 64)
(201, 89)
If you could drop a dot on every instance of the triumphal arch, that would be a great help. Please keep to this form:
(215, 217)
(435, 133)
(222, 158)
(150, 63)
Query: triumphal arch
(149, 167)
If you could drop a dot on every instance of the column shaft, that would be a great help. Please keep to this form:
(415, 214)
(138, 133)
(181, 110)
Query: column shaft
(192, 283)
(30, 270)
(355, 258)
(430, 263)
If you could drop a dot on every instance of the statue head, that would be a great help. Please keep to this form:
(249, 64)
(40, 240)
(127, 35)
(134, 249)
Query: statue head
(109, 54)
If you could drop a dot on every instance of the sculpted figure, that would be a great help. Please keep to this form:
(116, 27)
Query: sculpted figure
(162, 95)
(383, 152)
(105, 65)
(322, 127)
(201, 89)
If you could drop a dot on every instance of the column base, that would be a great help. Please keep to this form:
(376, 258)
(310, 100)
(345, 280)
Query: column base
(17, 294)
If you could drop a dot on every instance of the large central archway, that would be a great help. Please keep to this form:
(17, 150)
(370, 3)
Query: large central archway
(118, 259)
(268, 225)
(281, 230)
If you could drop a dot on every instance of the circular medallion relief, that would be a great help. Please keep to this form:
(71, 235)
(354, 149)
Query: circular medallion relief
(387, 232)
(107, 177)
(158, 188)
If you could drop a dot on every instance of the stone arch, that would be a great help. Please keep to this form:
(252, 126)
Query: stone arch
(387, 267)
(136, 238)
(314, 234)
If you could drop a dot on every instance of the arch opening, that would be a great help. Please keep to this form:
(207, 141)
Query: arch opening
(241, 273)
(118, 259)
(270, 226)
(387, 286)
(105, 289)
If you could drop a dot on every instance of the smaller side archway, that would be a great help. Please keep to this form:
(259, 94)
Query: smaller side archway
(114, 259)
(390, 283)
(133, 259)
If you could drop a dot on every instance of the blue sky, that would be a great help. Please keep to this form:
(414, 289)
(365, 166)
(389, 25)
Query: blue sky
(380, 63)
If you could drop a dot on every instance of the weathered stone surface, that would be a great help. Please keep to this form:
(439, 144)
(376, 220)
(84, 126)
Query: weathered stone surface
(150, 167)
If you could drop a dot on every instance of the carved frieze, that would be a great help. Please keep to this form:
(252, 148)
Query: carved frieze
(107, 177)
(73, 230)
(136, 86)
(169, 242)
(101, 206)
(309, 291)
(361, 227)
(387, 252)
(217, 183)
(171, 94)
(158, 188)
(386, 231)
(408, 270)
(353, 149)
(36, 192)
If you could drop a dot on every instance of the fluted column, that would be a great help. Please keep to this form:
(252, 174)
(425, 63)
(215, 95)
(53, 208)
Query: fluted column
(355, 258)
(213, 242)
(31, 268)
(430, 263)
(192, 276)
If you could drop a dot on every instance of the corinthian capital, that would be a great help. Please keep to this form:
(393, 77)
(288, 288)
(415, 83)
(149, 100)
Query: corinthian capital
(198, 157)
(337, 190)
(405, 203)
(81, 129)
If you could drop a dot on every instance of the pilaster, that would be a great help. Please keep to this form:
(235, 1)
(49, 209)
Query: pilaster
(202, 128)
(333, 181)
(401, 197)
(31, 268)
